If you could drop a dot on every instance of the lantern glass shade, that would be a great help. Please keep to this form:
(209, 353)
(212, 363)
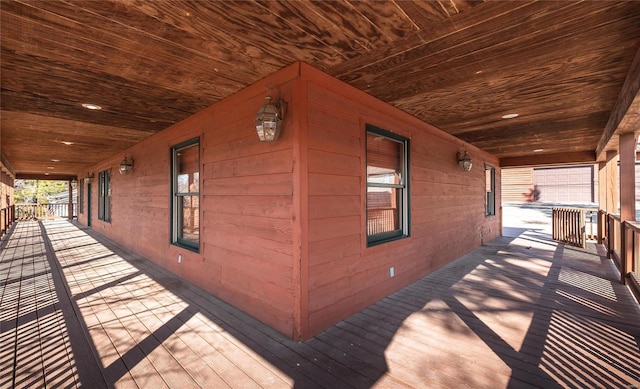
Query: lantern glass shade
(269, 121)
(88, 178)
(125, 166)
(465, 162)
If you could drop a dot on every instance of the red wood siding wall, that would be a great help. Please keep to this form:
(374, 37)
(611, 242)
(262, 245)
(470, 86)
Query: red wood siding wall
(246, 205)
(283, 224)
(447, 204)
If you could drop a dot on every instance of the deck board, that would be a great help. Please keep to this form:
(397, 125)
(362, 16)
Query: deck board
(80, 310)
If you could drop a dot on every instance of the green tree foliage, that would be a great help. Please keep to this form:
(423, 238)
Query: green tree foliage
(28, 191)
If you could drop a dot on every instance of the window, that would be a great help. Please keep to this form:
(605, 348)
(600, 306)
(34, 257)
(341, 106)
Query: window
(490, 184)
(104, 195)
(185, 193)
(81, 196)
(387, 186)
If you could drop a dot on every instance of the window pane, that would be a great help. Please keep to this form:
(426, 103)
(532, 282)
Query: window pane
(490, 177)
(383, 210)
(101, 196)
(104, 196)
(384, 160)
(81, 196)
(185, 217)
(188, 219)
(187, 166)
(387, 186)
(183, 183)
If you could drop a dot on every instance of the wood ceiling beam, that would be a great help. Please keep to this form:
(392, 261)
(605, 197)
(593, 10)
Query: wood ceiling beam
(579, 157)
(625, 116)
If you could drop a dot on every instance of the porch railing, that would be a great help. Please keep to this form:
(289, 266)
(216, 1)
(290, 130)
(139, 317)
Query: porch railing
(613, 238)
(43, 211)
(622, 241)
(630, 255)
(7, 217)
(574, 226)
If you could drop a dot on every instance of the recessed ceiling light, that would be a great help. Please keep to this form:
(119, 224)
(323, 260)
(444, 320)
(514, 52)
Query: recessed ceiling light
(94, 107)
(55, 160)
(510, 116)
(538, 150)
(50, 167)
(66, 143)
(46, 173)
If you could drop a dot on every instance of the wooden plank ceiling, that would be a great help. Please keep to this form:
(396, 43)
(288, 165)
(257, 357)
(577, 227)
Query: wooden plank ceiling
(460, 65)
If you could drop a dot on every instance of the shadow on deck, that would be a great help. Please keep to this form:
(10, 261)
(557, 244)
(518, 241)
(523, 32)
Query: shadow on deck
(521, 311)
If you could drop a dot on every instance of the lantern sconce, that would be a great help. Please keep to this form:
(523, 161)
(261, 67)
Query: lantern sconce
(88, 177)
(126, 166)
(464, 160)
(269, 119)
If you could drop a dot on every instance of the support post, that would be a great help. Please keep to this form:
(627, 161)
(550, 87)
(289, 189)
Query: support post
(601, 219)
(627, 144)
(611, 183)
(602, 186)
(611, 236)
(627, 177)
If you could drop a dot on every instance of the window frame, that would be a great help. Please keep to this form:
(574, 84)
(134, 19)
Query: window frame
(81, 196)
(175, 196)
(404, 187)
(104, 195)
(490, 196)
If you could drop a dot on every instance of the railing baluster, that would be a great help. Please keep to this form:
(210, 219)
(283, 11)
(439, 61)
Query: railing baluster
(40, 211)
(569, 225)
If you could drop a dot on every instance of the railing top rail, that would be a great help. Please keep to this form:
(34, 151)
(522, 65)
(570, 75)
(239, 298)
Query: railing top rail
(614, 217)
(634, 226)
(41, 204)
(576, 209)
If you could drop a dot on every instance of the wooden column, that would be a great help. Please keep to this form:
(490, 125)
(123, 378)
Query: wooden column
(610, 185)
(70, 217)
(602, 185)
(627, 177)
(627, 199)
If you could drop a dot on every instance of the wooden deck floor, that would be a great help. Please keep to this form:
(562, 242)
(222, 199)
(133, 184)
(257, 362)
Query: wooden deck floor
(78, 310)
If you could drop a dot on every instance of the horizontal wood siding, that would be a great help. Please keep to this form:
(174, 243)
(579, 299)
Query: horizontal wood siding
(447, 204)
(283, 224)
(517, 184)
(246, 202)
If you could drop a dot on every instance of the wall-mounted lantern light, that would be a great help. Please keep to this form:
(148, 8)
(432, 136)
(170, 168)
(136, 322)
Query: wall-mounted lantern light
(464, 160)
(126, 166)
(269, 120)
(88, 177)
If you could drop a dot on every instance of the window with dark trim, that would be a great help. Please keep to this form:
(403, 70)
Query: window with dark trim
(185, 195)
(490, 183)
(387, 186)
(104, 195)
(81, 196)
